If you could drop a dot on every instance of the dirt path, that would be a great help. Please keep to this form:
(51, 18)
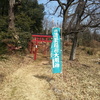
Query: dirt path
(25, 84)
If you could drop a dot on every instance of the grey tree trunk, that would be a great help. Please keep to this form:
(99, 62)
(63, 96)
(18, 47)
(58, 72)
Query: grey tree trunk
(65, 13)
(11, 26)
(11, 15)
(74, 46)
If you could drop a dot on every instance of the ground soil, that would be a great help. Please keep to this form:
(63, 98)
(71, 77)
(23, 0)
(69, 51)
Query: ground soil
(22, 78)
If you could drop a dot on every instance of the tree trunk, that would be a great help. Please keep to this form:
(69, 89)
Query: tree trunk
(64, 21)
(11, 26)
(11, 15)
(74, 46)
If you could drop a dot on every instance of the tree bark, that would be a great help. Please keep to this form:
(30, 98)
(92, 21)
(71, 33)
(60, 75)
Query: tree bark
(74, 46)
(65, 14)
(11, 15)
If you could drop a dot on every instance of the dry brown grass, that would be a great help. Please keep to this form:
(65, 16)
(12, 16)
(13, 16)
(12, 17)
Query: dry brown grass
(25, 79)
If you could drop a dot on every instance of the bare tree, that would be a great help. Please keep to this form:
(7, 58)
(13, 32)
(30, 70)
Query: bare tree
(76, 25)
(84, 14)
(63, 10)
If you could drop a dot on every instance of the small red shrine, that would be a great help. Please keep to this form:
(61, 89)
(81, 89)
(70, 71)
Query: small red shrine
(37, 39)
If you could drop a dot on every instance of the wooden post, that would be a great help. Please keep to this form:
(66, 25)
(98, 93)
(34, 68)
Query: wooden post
(35, 52)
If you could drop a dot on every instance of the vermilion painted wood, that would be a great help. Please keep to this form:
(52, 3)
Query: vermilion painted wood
(39, 38)
(42, 40)
(42, 36)
(35, 53)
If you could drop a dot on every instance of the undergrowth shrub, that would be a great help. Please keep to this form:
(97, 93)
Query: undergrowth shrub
(3, 23)
(10, 44)
(3, 48)
(3, 58)
(95, 44)
(24, 38)
(89, 51)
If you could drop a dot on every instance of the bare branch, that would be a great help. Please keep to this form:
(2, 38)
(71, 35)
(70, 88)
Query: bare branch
(69, 3)
(92, 26)
(60, 13)
(92, 4)
(96, 25)
(56, 9)
(91, 13)
(61, 5)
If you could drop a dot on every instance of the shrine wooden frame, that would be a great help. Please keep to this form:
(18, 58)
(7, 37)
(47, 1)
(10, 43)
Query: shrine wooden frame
(35, 41)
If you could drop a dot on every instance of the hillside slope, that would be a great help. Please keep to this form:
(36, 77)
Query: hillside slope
(22, 78)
